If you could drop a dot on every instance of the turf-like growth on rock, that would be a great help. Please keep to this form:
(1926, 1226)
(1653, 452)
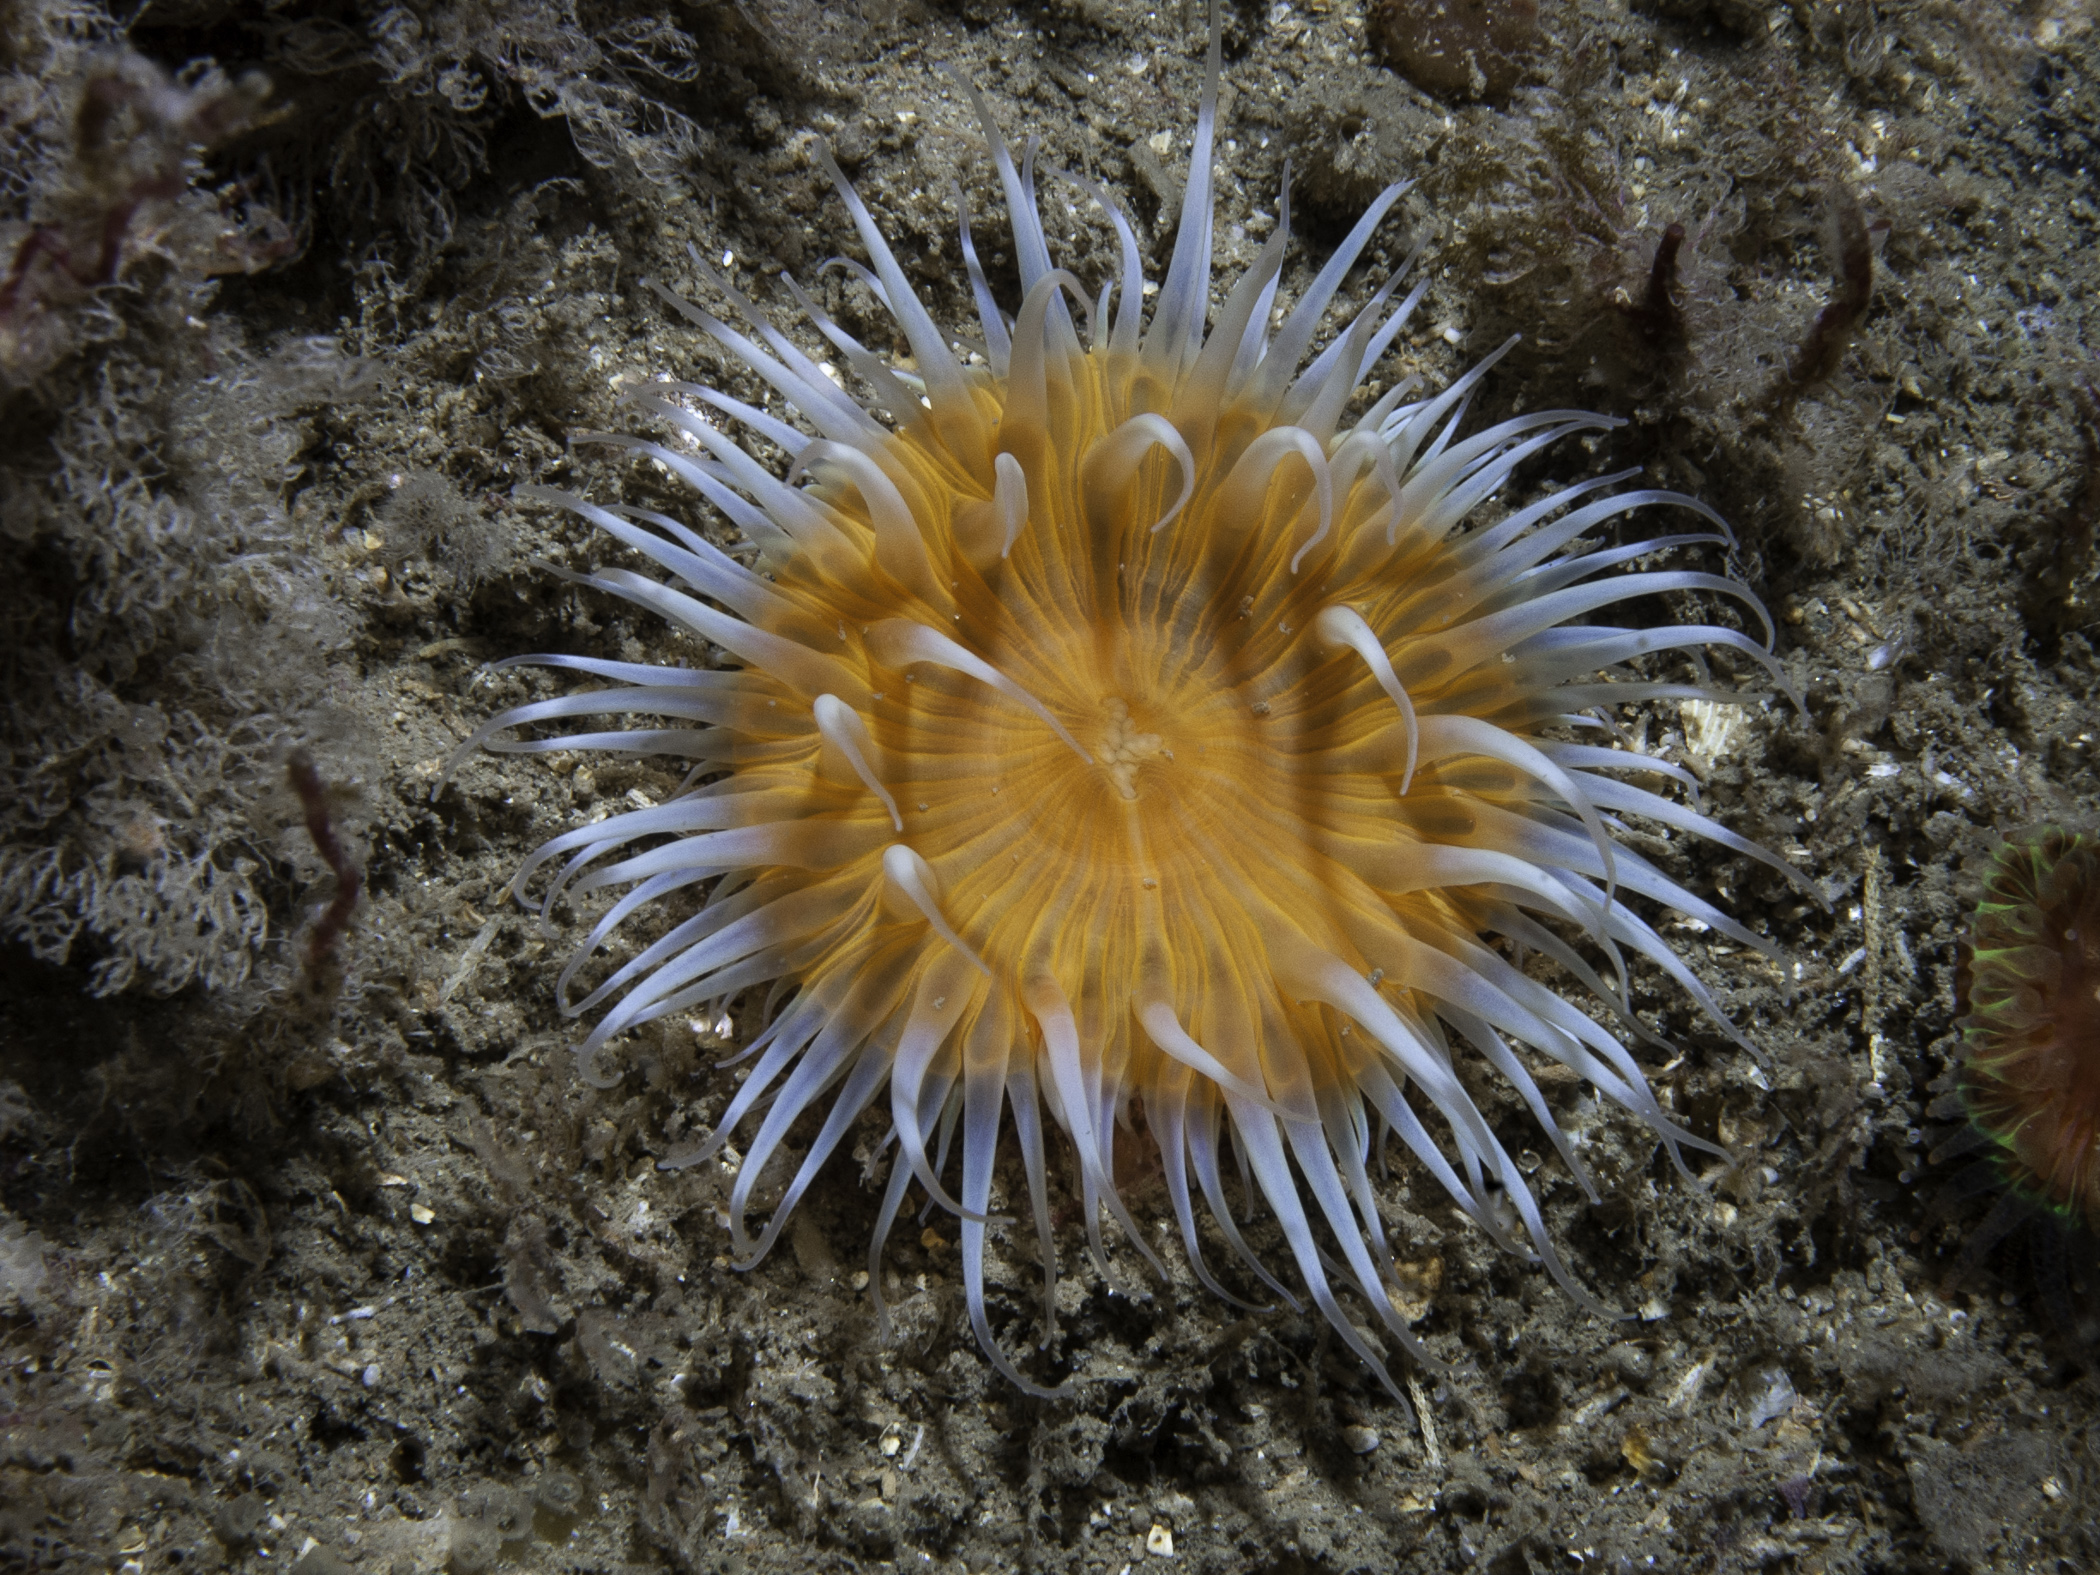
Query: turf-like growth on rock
(1123, 725)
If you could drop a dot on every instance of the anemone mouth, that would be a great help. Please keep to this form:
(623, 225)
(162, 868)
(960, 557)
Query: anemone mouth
(1121, 724)
(2030, 1078)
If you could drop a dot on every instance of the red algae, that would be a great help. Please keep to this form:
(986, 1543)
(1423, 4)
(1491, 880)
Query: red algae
(2031, 1079)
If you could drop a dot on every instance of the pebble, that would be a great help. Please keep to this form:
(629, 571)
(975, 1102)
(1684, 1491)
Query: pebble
(1360, 1439)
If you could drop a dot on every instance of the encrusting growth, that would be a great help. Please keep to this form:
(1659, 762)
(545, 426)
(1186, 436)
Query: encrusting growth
(1122, 724)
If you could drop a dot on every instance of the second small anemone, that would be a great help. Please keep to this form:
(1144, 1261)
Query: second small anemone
(2028, 1086)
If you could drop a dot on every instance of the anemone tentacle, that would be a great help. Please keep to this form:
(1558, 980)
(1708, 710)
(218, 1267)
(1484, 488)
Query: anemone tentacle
(1118, 726)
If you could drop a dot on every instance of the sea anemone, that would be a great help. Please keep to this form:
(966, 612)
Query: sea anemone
(1119, 728)
(2029, 1080)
